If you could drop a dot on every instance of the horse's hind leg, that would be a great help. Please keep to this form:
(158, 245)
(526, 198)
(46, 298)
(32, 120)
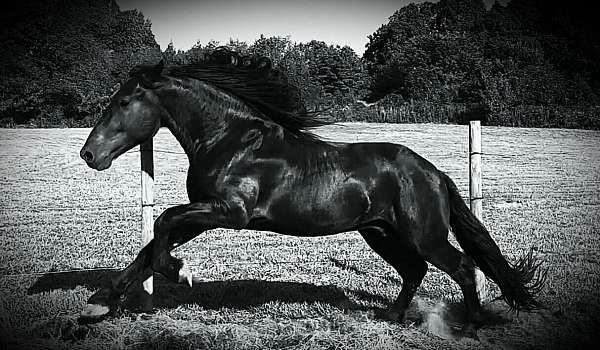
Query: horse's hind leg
(403, 257)
(461, 269)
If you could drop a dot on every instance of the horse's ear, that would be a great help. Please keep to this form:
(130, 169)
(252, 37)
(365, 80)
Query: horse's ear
(149, 76)
(160, 66)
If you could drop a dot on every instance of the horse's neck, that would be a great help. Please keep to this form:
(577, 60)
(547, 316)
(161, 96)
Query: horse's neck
(197, 114)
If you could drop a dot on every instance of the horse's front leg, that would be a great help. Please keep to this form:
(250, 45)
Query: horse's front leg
(172, 228)
(180, 224)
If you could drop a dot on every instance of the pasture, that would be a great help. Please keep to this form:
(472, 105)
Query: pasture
(255, 290)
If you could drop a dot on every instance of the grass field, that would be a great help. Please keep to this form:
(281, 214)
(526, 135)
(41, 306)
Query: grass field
(255, 290)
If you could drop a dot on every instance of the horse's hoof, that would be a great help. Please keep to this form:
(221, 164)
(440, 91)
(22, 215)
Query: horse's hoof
(185, 275)
(93, 313)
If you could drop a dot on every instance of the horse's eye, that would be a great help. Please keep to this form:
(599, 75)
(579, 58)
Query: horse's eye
(124, 102)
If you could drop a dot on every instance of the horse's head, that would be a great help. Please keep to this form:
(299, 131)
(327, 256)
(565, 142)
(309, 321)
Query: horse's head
(132, 117)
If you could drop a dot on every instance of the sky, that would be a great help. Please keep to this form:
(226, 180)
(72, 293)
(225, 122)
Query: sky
(337, 22)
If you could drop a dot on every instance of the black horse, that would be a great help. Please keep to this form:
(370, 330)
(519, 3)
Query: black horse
(254, 165)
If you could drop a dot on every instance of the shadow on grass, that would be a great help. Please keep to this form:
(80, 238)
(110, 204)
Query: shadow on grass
(238, 294)
(70, 280)
(351, 267)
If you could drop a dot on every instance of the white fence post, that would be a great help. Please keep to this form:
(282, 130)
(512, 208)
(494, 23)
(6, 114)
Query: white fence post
(475, 190)
(476, 194)
(147, 182)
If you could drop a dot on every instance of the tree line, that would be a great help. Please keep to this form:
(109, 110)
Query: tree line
(530, 63)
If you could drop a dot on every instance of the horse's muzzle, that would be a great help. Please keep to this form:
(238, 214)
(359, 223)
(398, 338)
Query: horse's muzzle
(86, 155)
(93, 161)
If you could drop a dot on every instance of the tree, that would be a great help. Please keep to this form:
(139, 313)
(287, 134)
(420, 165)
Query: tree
(60, 60)
(274, 48)
(529, 55)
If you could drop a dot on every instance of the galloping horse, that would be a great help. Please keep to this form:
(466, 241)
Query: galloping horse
(255, 165)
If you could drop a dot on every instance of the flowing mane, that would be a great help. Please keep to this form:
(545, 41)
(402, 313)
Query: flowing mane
(255, 81)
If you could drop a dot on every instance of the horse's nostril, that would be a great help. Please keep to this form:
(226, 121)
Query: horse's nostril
(87, 156)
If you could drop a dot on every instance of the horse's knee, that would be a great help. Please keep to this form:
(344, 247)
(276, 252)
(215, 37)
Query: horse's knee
(419, 270)
(161, 223)
(159, 260)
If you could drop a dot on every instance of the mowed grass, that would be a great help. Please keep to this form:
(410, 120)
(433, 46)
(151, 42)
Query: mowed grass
(255, 290)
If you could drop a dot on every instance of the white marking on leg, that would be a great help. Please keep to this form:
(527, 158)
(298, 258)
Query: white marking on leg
(185, 274)
(481, 286)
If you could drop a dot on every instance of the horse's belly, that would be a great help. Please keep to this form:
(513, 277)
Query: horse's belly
(316, 211)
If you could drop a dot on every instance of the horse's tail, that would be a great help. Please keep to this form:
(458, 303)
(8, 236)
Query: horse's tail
(519, 283)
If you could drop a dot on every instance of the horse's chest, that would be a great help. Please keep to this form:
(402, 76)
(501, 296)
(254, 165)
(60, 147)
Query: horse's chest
(200, 184)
